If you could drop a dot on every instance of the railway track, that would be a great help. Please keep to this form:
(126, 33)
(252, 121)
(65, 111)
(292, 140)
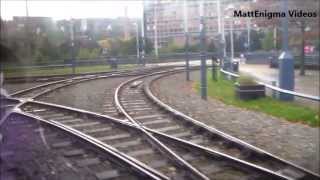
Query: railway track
(130, 141)
(123, 137)
(155, 137)
(40, 90)
(33, 148)
(138, 104)
(96, 95)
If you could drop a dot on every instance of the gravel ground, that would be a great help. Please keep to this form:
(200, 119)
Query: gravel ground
(25, 156)
(89, 95)
(13, 87)
(295, 142)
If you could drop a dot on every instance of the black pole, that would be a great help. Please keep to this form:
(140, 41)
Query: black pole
(214, 68)
(143, 33)
(72, 47)
(187, 57)
(203, 68)
(302, 61)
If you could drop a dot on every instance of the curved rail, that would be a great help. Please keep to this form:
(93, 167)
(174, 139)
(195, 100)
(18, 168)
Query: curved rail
(42, 89)
(58, 113)
(193, 147)
(180, 161)
(118, 159)
(232, 140)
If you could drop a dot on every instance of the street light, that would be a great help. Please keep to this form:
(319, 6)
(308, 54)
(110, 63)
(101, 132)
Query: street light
(227, 65)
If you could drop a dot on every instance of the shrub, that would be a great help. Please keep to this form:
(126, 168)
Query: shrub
(246, 80)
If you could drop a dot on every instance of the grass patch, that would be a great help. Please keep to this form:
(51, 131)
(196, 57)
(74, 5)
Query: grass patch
(224, 90)
(61, 70)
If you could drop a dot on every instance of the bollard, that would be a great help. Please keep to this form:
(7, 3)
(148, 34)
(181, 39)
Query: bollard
(214, 73)
(214, 68)
(274, 92)
(286, 75)
(113, 63)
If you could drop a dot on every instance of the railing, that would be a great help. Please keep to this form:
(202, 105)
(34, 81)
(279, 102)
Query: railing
(275, 88)
(105, 60)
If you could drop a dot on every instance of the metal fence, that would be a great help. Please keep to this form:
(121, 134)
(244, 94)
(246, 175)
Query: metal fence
(276, 89)
(105, 60)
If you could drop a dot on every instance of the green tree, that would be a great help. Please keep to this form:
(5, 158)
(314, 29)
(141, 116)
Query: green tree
(267, 41)
(128, 47)
(85, 53)
(172, 48)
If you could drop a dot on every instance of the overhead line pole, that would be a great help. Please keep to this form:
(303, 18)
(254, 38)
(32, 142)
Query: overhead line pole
(203, 67)
(143, 35)
(137, 42)
(186, 31)
(72, 46)
(156, 29)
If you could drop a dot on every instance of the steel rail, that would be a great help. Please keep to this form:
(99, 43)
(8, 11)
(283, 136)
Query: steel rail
(58, 106)
(35, 87)
(166, 137)
(177, 159)
(217, 154)
(148, 130)
(144, 170)
(119, 122)
(76, 80)
(88, 79)
(61, 77)
(309, 174)
(194, 146)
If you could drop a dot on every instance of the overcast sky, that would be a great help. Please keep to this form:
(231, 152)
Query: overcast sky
(62, 9)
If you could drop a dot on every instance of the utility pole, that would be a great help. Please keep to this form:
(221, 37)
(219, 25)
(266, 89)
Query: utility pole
(186, 31)
(248, 33)
(286, 69)
(155, 28)
(275, 37)
(137, 42)
(220, 55)
(72, 46)
(203, 67)
(231, 40)
(28, 35)
(223, 38)
(143, 35)
(302, 69)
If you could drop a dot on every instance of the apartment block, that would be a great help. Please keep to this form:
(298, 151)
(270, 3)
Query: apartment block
(165, 20)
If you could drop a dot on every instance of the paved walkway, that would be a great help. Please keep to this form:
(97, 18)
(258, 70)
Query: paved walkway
(295, 142)
(308, 84)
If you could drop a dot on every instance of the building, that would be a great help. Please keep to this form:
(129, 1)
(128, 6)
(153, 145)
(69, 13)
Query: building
(165, 20)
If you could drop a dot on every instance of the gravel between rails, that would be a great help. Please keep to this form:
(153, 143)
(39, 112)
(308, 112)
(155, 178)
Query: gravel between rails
(292, 141)
(90, 95)
(14, 87)
(34, 150)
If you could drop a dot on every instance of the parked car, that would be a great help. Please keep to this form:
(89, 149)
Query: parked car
(311, 62)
